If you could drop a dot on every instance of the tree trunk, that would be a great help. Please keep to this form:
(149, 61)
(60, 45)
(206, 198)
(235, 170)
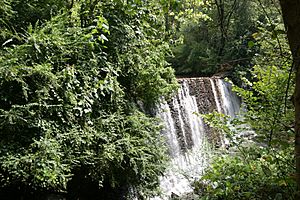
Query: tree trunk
(221, 20)
(291, 18)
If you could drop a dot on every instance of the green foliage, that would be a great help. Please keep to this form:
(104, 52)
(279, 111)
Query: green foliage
(267, 91)
(269, 112)
(259, 176)
(194, 56)
(71, 93)
(267, 41)
(260, 161)
(17, 15)
(140, 55)
(217, 42)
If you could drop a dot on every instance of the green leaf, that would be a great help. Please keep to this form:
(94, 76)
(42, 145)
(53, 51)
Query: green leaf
(266, 170)
(103, 37)
(251, 44)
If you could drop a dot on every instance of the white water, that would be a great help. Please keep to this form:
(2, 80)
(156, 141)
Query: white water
(169, 132)
(231, 103)
(213, 87)
(185, 132)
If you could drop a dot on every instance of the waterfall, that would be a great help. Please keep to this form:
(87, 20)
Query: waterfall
(186, 134)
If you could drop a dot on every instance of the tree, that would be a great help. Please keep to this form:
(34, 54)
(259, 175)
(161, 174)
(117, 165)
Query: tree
(216, 41)
(73, 92)
(267, 155)
(291, 17)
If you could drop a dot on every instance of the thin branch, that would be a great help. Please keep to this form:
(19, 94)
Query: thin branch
(270, 21)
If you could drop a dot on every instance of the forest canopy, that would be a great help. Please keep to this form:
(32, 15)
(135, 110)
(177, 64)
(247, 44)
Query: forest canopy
(75, 79)
(79, 81)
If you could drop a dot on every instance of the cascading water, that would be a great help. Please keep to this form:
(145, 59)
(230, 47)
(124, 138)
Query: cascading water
(186, 133)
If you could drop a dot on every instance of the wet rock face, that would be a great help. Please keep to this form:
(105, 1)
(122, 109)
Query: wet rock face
(182, 126)
(202, 90)
(201, 95)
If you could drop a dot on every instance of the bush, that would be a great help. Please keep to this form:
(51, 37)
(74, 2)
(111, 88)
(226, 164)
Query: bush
(260, 175)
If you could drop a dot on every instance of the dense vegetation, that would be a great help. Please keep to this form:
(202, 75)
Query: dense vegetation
(75, 79)
(261, 162)
(78, 81)
(219, 41)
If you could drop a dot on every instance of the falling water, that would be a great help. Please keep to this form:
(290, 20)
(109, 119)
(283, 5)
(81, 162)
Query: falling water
(213, 87)
(231, 102)
(186, 133)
